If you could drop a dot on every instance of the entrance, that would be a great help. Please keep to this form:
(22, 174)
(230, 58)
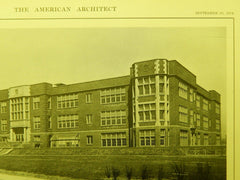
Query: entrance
(19, 134)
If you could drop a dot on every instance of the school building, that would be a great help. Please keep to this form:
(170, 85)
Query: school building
(159, 104)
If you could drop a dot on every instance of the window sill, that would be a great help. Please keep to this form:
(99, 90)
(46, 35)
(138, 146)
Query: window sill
(67, 108)
(113, 103)
(113, 125)
(148, 121)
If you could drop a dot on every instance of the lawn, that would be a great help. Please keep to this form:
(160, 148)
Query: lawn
(97, 166)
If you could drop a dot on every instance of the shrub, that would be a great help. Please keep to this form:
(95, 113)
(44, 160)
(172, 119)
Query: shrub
(115, 173)
(144, 172)
(203, 171)
(108, 172)
(128, 172)
(179, 170)
(160, 174)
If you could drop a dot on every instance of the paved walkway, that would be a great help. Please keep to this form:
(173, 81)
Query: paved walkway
(17, 177)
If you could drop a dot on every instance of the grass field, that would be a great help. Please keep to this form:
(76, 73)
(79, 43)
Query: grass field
(96, 166)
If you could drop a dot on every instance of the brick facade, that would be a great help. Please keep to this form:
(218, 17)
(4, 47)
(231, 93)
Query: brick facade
(159, 104)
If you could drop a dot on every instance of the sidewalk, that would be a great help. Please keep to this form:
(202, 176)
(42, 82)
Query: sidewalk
(17, 177)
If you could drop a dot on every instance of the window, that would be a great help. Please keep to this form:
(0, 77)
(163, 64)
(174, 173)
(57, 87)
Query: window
(49, 103)
(68, 121)
(4, 125)
(191, 95)
(109, 118)
(146, 85)
(183, 114)
(205, 104)
(19, 137)
(217, 109)
(49, 122)
(197, 101)
(36, 102)
(217, 124)
(19, 108)
(209, 123)
(147, 137)
(218, 140)
(182, 90)
(162, 98)
(114, 139)
(36, 122)
(198, 139)
(89, 119)
(67, 101)
(36, 138)
(88, 98)
(183, 138)
(205, 139)
(3, 107)
(205, 122)
(147, 112)
(191, 117)
(89, 140)
(161, 88)
(198, 120)
(113, 95)
(162, 137)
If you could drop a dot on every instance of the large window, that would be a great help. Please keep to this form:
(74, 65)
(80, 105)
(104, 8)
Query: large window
(117, 117)
(4, 125)
(147, 137)
(67, 101)
(205, 122)
(3, 107)
(113, 95)
(218, 140)
(217, 124)
(198, 137)
(114, 139)
(146, 85)
(191, 117)
(217, 108)
(161, 84)
(191, 95)
(205, 139)
(49, 103)
(183, 114)
(182, 90)
(36, 102)
(36, 122)
(68, 121)
(147, 112)
(198, 120)
(183, 138)
(197, 101)
(205, 104)
(19, 108)
(162, 137)
(49, 122)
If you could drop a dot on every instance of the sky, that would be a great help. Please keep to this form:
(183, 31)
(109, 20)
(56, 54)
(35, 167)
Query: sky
(72, 55)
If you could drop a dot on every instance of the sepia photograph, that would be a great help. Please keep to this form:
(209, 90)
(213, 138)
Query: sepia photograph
(114, 101)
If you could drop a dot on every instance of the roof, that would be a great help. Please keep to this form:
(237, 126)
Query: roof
(92, 85)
